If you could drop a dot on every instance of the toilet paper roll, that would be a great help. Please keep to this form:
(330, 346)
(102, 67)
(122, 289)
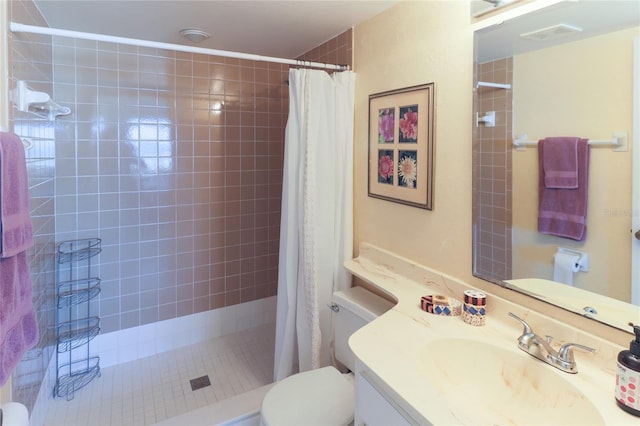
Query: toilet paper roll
(564, 266)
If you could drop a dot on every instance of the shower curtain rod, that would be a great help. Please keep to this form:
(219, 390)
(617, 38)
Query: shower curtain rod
(22, 28)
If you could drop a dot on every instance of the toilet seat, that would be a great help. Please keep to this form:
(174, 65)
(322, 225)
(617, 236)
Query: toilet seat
(316, 397)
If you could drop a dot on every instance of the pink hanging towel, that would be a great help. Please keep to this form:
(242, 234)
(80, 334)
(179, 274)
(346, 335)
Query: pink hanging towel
(15, 223)
(562, 209)
(18, 325)
(560, 162)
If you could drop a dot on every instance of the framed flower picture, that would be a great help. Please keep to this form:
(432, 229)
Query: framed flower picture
(401, 139)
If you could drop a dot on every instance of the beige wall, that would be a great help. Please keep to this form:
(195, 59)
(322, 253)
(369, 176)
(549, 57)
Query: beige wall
(590, 82)
(418, 42)
(411, 44)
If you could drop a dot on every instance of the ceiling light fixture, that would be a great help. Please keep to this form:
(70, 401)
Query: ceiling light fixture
(194, 35)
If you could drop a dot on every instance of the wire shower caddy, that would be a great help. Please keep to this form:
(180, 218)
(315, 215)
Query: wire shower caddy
(76, 287)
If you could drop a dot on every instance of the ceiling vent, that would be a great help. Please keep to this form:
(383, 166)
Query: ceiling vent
(194, 35)
(548, 33)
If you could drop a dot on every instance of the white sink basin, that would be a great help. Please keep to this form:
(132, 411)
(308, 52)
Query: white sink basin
(495, 385)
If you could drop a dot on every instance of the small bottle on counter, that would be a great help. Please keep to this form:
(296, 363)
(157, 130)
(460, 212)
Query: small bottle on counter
(628, 377)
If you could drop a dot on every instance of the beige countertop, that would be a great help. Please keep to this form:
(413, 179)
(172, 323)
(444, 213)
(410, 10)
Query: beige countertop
(609, 310)
(395, 348)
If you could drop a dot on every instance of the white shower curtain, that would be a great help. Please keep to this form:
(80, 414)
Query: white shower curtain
(316, 228)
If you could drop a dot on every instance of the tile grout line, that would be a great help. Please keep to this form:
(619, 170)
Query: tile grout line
(134, 393)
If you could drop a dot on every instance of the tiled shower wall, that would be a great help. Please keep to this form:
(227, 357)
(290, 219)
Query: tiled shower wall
(338, 50)
(492, 150)
(29, 58)
(173, 159)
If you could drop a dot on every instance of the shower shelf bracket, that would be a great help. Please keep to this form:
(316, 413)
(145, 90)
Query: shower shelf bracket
(38, 103)
(76, 288)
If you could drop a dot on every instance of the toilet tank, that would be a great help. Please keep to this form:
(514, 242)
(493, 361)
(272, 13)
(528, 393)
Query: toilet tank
(357, 307)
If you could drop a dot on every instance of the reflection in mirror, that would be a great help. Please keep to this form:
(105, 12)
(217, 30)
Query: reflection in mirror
(562, 71)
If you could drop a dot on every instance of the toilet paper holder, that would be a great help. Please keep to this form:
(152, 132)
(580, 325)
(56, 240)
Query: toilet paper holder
(583, 258)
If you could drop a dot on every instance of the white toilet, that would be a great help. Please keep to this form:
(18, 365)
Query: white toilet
(325, 396)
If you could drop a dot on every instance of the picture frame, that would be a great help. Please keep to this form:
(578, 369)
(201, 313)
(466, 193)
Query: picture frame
(401, 145)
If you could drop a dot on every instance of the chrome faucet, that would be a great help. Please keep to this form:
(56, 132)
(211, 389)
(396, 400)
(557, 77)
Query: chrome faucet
(541, 348)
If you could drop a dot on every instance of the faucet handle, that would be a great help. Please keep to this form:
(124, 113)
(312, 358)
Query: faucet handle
(565, 353)
(527, 328)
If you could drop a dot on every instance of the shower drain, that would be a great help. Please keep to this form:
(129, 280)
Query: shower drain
(199, 383)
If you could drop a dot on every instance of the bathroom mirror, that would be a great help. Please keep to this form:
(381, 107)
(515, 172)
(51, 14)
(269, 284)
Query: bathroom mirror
(565, 70)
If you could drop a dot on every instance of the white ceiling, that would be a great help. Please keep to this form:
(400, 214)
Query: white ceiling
(284, 29)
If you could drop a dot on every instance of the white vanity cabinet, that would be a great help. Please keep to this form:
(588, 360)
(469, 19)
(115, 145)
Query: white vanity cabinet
(376, 406)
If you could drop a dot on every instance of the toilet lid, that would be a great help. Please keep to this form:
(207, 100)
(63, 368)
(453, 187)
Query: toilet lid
(316, 397)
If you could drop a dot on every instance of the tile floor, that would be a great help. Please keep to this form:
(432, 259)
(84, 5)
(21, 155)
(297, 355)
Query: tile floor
(152, 389)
